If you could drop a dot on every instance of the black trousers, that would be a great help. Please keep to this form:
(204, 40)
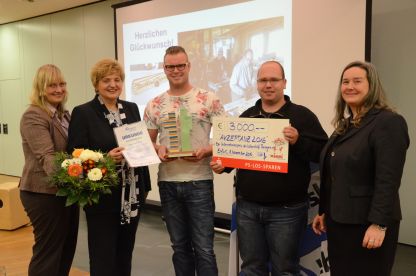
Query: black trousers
(110, 244)
(55, 228)
(347, 257)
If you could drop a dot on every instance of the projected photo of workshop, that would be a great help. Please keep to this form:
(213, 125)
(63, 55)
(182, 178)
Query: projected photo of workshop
(225, 59)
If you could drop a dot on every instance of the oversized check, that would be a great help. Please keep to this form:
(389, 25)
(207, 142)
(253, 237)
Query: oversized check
(251, 143)
(138, 147)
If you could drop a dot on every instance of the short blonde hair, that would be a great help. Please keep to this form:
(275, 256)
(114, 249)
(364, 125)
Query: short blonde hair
(104, 68)
(46, 75)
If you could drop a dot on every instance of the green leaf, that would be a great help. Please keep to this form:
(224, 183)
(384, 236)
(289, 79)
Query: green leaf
(62, 192)
(82, 204)
(95, 197)
(71, 199)
(82, 201)
(68, 203)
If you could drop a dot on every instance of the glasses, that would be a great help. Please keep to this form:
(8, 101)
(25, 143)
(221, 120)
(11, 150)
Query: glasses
(56, 85)
(171, 67)
(272, 81)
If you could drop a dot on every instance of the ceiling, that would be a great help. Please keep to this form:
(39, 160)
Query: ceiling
(14, 10)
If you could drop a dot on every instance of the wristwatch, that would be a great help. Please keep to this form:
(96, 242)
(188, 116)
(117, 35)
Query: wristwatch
(381, 227)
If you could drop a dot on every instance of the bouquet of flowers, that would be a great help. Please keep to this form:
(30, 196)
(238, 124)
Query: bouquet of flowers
(84, 176)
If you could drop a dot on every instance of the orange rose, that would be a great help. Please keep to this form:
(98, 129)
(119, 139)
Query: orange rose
(77, 152)
(74, 170)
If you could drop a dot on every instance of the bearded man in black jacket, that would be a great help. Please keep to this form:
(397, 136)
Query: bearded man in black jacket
(272, 207)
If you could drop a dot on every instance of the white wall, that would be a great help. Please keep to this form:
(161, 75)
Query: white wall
(10, 99)
(393, 52)
(316, 80)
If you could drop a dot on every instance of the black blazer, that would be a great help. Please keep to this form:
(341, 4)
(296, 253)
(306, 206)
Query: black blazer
(89, 129)
(366, 166)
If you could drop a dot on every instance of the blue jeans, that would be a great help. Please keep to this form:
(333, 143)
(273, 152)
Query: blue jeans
(270, 234)
(188, 208)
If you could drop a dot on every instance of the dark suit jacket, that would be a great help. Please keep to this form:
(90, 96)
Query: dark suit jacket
(366, 166)
(89, 129)
(42, 136)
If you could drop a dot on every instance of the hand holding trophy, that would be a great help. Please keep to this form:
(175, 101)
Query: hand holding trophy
(179, 134)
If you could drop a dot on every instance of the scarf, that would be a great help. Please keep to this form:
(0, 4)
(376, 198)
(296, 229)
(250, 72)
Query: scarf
(130, 191)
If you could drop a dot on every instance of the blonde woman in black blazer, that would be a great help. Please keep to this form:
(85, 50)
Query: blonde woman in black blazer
(361, 170)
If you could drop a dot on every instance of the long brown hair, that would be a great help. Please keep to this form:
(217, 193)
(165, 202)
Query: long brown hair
(376, 98)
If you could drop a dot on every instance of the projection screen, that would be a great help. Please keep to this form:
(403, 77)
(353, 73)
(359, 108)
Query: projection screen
(312, 39)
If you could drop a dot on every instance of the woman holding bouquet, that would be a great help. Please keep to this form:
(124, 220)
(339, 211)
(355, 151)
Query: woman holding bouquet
(44, 131)
(112, 223)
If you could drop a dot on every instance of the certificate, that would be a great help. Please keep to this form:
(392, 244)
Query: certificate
(251, 143)
(138, 148)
